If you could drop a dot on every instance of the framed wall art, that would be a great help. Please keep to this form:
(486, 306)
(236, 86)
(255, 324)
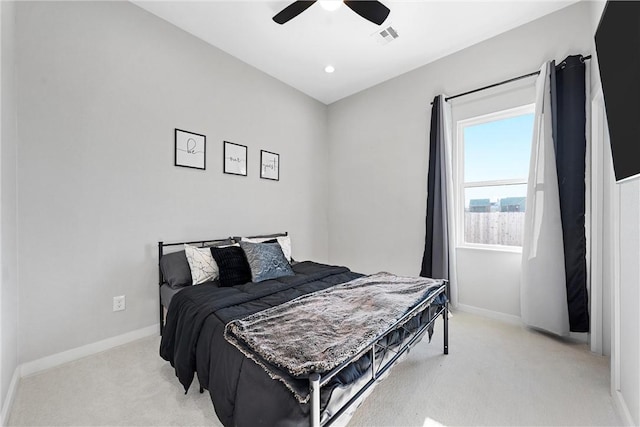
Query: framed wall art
(269, 165)
(190, 149)
(235, 158)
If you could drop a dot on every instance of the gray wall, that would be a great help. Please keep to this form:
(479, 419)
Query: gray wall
(102, 86)
(8, 194)
(379, 148)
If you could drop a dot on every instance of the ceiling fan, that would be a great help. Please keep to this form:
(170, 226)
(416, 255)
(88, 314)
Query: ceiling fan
(373, 11)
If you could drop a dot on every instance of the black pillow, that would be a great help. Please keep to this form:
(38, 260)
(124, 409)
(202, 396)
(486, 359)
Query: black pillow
(233, 265)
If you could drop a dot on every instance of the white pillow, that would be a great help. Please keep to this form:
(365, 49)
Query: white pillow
(283, 241)
(202, 265)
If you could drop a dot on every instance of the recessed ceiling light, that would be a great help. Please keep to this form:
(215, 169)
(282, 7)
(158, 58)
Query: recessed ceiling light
(330, 5)
(329, 69)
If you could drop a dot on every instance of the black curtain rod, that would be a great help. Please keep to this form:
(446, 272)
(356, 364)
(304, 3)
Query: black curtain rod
(535, 73)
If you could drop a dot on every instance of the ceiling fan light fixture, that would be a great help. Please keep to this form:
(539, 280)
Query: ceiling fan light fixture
(330, 5)
(371, 10)
(329, 69)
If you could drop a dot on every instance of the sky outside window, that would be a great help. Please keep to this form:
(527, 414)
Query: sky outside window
(498, 150)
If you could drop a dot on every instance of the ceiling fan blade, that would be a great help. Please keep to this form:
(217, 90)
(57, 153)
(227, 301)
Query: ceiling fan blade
(373, 11)
(291, 11)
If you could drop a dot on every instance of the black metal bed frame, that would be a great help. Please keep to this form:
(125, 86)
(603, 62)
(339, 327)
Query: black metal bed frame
(316, 380)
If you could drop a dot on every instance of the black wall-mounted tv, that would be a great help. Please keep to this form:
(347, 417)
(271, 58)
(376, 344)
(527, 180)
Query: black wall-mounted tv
(618, 47)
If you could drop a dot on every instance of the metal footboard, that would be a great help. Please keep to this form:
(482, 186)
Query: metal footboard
(317, 381)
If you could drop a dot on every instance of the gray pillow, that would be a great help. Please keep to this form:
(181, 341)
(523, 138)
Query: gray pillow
(175, 269)
(266, 261)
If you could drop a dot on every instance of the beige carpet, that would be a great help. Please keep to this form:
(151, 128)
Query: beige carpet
(495, 374)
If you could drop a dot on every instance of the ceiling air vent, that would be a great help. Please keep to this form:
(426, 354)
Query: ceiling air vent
(385, 35)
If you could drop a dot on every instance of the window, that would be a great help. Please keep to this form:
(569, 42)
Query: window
(493, 166)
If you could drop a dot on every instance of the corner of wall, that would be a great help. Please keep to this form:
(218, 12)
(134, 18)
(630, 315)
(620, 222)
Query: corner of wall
(8, 214)
(7, 402)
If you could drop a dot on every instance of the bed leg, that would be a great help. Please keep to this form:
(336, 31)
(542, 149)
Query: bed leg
(445, 319)
(314, 388)
(160, 280)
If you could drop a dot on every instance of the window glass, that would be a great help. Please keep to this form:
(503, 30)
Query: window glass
(498, 149)
(495, 155)
(494, 215)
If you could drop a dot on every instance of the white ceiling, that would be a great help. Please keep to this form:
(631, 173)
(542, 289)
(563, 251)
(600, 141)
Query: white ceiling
(298, 51)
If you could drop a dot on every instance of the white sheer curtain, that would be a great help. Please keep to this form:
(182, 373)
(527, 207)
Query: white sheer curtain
(543, 292)
(448, 199)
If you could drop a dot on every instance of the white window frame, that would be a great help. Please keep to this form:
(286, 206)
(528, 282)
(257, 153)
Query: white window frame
(459, 170)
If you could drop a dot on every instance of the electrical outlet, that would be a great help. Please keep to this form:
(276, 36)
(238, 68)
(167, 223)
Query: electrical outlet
(118, 303)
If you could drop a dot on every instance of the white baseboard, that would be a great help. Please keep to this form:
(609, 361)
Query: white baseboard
(581, 337)
(54, 360)
(11, 395)
(509, 318)
(623, 409)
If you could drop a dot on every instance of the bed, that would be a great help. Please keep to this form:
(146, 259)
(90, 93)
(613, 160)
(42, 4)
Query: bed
(266, 352)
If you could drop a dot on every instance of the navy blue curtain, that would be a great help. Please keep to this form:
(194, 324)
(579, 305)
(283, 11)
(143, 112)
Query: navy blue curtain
(435, 260)
(569, 120)
(433, 185)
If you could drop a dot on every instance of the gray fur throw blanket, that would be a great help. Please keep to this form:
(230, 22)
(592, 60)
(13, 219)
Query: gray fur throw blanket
(319, 331)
